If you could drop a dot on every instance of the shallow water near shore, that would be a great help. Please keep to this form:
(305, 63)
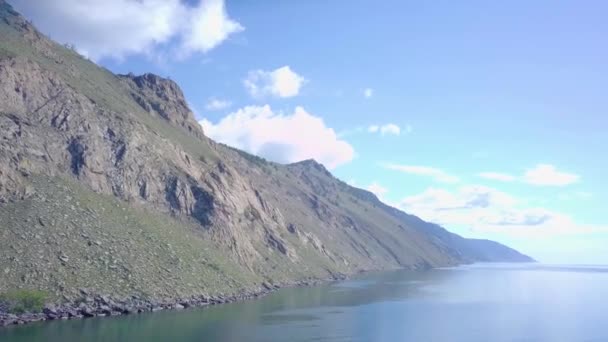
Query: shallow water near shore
(482, 302)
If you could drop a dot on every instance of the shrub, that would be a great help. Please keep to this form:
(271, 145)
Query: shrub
(20, 301)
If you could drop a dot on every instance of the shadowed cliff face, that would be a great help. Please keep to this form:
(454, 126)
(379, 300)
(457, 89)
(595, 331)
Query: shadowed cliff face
(223, 219)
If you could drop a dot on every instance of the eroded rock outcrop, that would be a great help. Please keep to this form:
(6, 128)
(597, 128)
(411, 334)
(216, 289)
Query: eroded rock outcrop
(163, 97)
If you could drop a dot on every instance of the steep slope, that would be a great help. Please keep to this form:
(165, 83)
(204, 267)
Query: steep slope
(108, 183)
(467, 250)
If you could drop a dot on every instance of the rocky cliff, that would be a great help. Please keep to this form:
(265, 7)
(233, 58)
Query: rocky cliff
(108, 183)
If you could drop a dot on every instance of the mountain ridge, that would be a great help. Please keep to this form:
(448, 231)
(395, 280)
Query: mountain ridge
(108, 183)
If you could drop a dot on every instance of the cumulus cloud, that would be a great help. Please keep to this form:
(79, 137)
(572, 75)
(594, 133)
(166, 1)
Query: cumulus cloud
(216, 104)
(208, 26)
(474, 206)
(503, 177)
(118, 28)
(385, 129)
(541, 175)
(436, 174)
(487, 210)
(368, 93)
(548, 175)
(281, 82)
(438, 200)
(284, 138)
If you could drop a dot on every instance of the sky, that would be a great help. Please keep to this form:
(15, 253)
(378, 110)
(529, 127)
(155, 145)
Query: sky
(487, 117)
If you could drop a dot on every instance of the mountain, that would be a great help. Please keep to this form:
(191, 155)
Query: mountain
(108, 183)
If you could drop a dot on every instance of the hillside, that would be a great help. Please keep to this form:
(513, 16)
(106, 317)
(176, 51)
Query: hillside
(107, 183)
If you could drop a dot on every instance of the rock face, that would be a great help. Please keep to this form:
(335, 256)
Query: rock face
(108, 183)
(163, 97)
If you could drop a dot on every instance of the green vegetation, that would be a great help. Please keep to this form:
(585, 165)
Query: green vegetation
(68, 236)
(21, 301)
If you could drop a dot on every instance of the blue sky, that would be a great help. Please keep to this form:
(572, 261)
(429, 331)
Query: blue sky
(487, 117)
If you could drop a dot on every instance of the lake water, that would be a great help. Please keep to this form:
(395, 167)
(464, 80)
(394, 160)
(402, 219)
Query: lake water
(483, 302)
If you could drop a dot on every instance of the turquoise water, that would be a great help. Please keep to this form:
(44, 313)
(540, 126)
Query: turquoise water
(483, 302)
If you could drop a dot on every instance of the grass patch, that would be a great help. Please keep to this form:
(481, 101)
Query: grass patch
(113, 247)
(21, 301)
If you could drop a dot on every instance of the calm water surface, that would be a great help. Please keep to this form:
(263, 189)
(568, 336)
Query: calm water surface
(483, 302)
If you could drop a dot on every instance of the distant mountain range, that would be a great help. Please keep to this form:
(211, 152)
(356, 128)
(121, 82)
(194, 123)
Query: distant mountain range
(108, 183)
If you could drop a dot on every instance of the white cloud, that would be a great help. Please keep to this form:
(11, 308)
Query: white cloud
(487, 210)
(368, 93)
(390, 129)
(437, 204)
(377, 189)
(541, 174)
(385, 129)
(548, 175)
(283, 138)
(437, 174)
(380, 129)
(281, 82)
(217, 104)
(208, 26)
(503, 177)
(118, 28)
(555, 224)
(373, 128)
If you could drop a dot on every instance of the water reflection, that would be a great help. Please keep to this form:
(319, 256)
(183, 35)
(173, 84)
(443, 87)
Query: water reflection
(473, 303)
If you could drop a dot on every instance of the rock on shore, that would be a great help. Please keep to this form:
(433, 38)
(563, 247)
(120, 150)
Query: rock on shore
(90, 305)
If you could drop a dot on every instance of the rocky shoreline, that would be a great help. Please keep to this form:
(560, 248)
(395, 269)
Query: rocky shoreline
(95, 305)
